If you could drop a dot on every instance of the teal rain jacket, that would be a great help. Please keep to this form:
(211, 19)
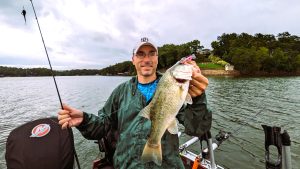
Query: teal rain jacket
(120, 113)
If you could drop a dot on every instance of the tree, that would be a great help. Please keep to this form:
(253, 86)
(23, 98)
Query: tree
(169, 54)
(247, 60)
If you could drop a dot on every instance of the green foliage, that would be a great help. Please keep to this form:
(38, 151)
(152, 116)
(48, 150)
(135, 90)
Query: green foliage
(296, 60)
(11, 71)
(209, 65)
(281, 60)
(222, 63)
(245, 59)
(169, 54)
(259, 52)
(216, 60)
(77, 72)
(124, 68)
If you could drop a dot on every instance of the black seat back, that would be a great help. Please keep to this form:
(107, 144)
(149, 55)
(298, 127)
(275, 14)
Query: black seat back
(40, 144)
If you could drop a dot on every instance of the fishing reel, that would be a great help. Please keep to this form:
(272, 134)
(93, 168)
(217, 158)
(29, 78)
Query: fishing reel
(222, 136)
(219, 138)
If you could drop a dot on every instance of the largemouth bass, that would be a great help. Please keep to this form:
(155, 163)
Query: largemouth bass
(170, 95)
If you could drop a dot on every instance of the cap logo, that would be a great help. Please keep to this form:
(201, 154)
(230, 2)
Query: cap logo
(40, 130)
(144, 39)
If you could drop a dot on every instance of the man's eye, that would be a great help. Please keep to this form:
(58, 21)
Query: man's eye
(152, 53)
(140, 53)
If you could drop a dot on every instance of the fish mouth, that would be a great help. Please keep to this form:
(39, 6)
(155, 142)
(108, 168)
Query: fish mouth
(181, 80)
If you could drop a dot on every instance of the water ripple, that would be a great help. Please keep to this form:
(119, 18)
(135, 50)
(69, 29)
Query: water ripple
(233, 101)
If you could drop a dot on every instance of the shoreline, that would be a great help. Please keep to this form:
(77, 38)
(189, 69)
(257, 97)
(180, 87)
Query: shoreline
(209, 72)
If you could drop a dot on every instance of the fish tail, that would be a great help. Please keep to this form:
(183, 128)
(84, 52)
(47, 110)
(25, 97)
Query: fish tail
(152, 152)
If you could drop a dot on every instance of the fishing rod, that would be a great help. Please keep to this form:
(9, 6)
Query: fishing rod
(222, 135)
(236, 132)
(70, 131)
(47, 56)
(208, 153)
(219, 138)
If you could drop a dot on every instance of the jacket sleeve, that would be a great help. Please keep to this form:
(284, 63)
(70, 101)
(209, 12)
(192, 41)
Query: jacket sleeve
(95, 127)
(196, 118)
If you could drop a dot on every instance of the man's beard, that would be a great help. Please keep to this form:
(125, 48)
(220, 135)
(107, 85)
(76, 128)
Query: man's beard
(148, 65)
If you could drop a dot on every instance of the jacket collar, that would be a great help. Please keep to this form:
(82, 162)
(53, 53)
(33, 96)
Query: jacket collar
(134, 82)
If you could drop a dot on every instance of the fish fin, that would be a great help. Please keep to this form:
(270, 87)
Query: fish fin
(188, 99)
(173, 127)
(152, 153)
(145, 112)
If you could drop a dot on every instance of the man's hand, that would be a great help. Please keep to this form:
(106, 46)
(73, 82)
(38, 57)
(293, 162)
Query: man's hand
(198, 83)
(69, 117)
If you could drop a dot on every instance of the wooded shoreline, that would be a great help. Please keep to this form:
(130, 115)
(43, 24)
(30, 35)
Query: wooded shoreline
(258, 55)
(205, 72)
(237, 73)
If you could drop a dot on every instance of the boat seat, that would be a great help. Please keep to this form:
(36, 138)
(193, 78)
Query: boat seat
(40, 144)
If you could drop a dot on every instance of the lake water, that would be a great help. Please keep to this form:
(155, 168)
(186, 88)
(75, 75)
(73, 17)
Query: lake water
(234, 102)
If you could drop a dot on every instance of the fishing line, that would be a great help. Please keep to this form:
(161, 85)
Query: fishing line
(253, 117)
(70, 131)
(236, 131)
(47, 56)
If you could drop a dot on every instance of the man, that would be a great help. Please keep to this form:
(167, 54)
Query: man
(120, 114)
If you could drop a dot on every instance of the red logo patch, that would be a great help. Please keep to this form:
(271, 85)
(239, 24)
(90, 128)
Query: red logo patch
(40, 130)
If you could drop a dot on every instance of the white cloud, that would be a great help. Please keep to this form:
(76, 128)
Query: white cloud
(95, 34)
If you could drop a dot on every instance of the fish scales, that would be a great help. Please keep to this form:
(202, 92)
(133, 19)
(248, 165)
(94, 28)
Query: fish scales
(171, 93)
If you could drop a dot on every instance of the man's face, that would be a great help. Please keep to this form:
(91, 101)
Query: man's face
(145, 61)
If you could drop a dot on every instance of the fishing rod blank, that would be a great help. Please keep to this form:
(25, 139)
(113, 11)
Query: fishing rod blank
(47, 55)
(75, 154)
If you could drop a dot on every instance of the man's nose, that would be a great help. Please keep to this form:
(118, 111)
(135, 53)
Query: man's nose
(147, 58)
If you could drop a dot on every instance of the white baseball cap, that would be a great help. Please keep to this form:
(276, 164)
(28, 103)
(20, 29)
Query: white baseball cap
(144, 41)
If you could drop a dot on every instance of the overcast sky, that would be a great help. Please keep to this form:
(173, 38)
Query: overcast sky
(95, 34)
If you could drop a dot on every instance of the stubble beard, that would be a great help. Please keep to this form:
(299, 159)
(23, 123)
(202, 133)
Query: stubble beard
(147, 73)
(150, 68)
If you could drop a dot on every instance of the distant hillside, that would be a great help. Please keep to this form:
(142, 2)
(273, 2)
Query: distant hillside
(263, 53)
(251, 55)
(17, 72)
(124, 68)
